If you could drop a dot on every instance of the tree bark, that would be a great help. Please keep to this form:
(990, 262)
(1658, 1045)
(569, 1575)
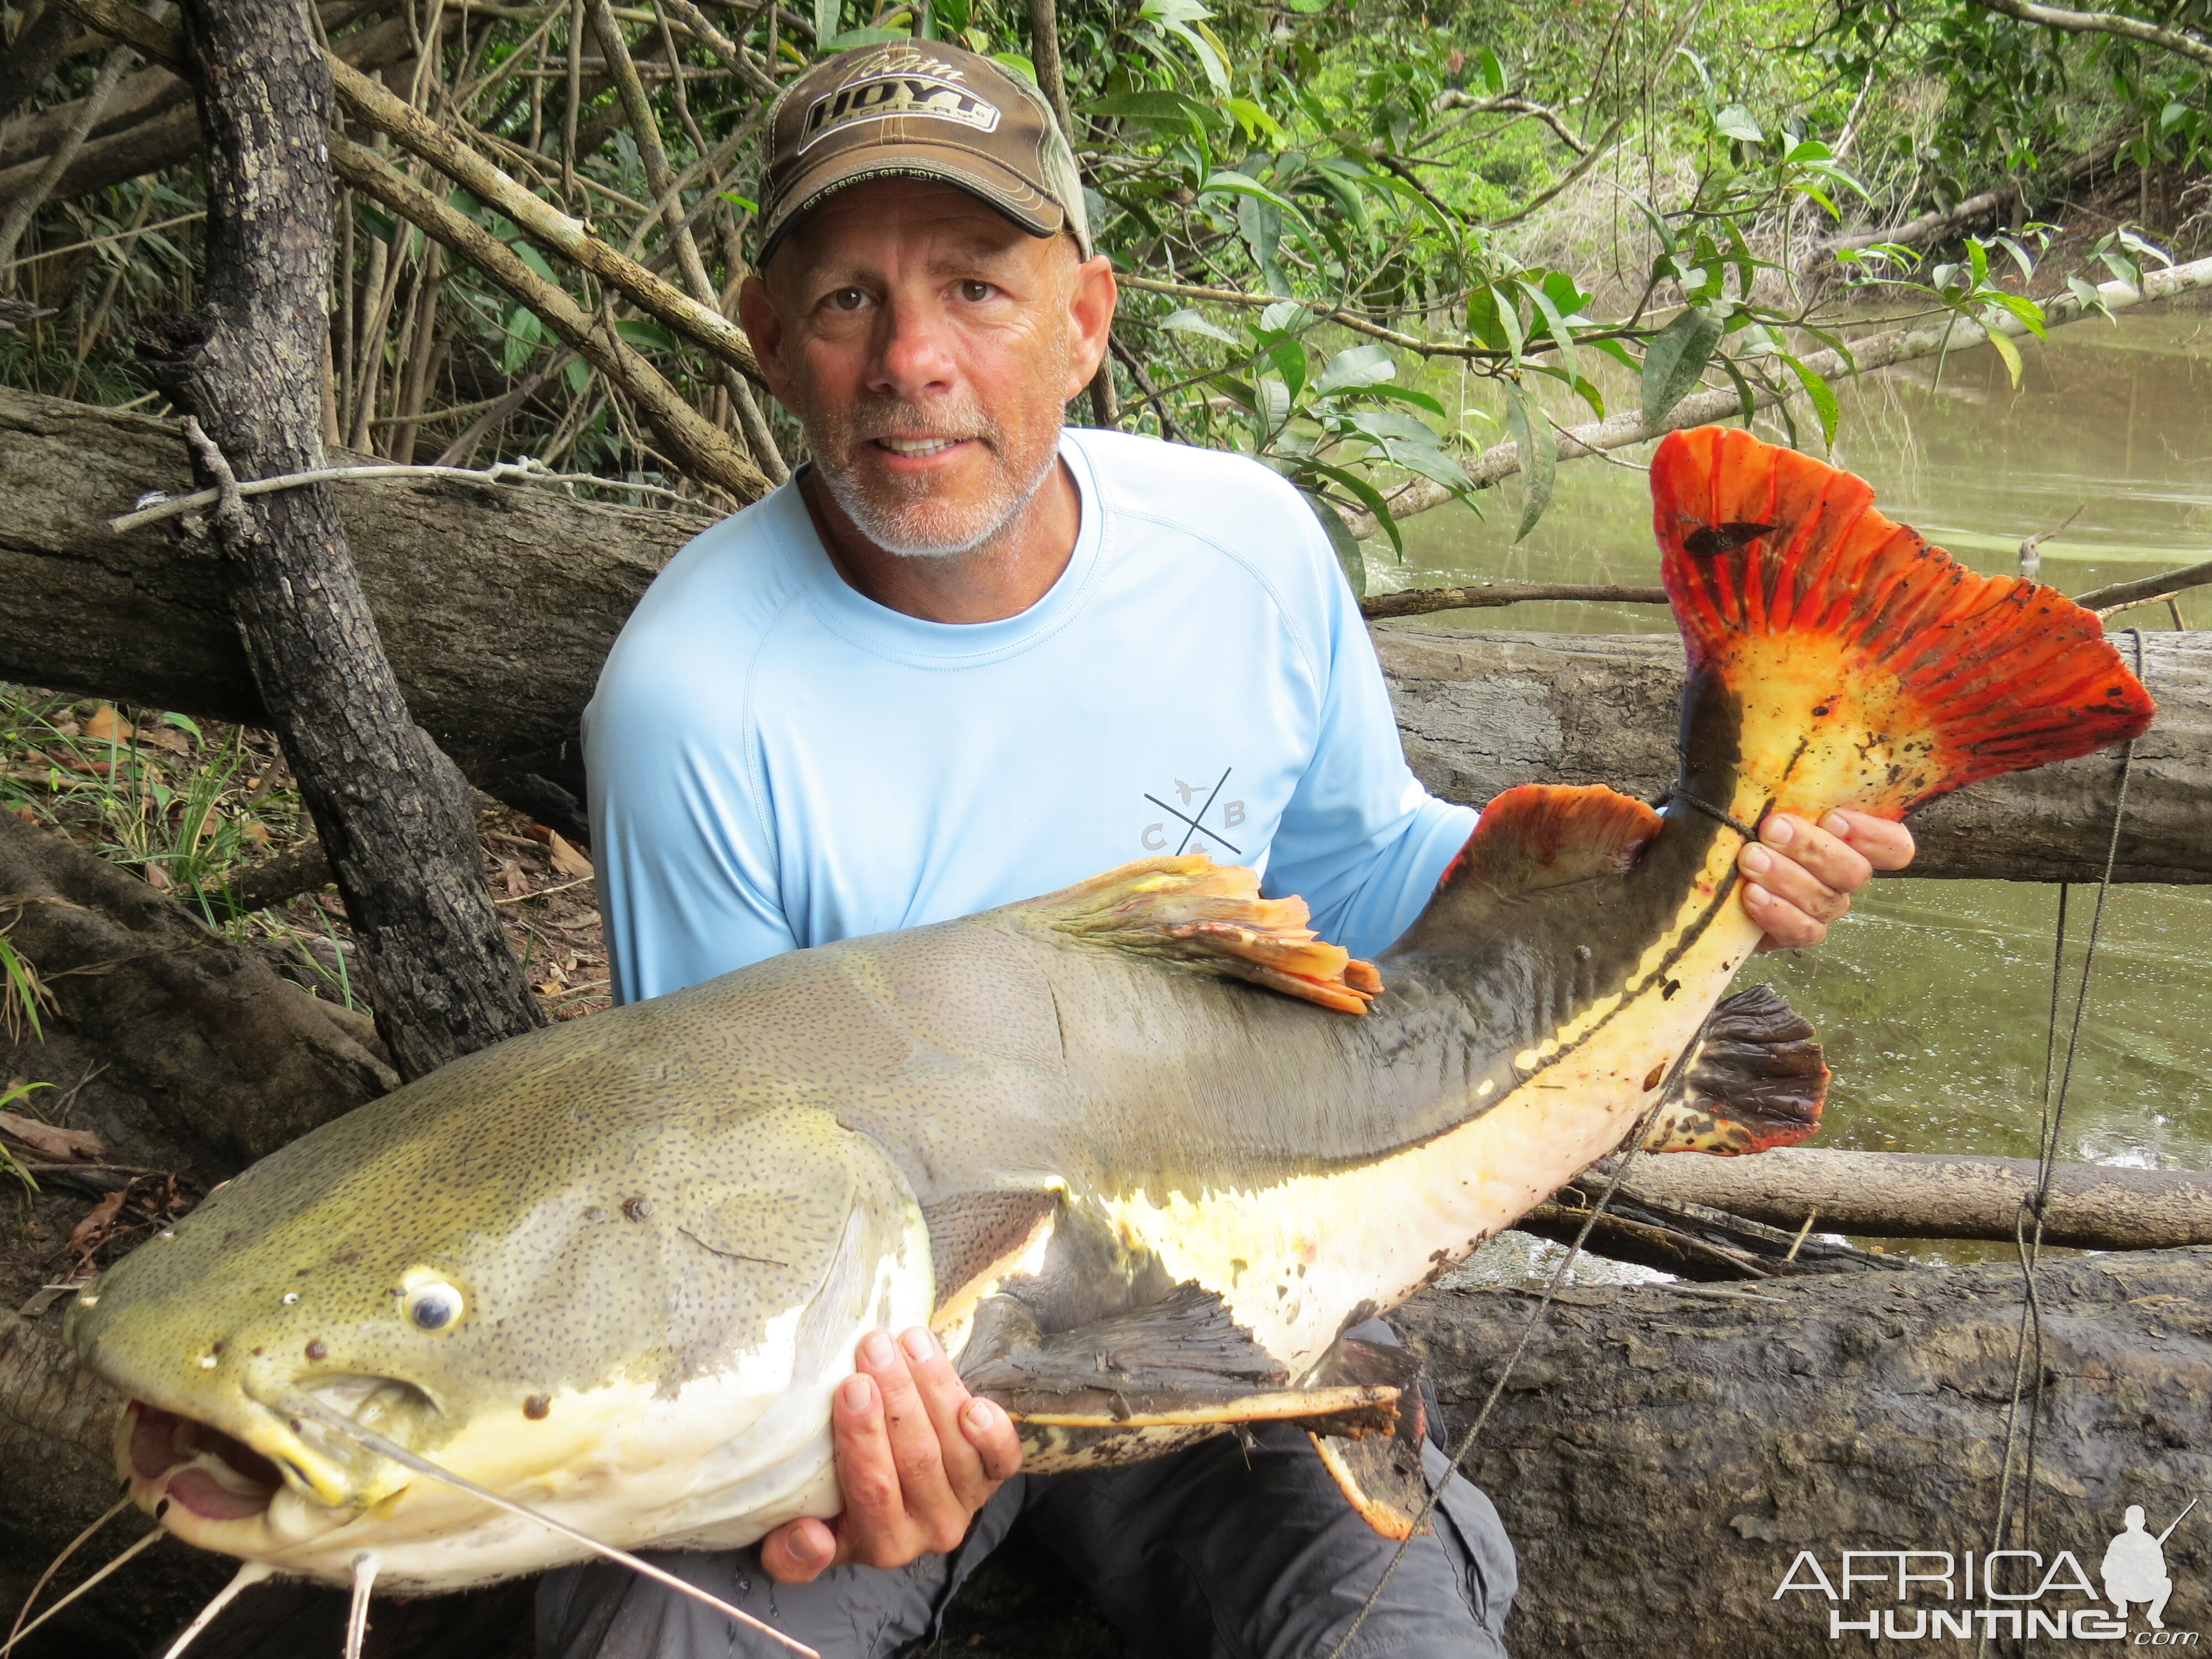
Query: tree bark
(497, 604)
(390, 808)
(2094, 1207)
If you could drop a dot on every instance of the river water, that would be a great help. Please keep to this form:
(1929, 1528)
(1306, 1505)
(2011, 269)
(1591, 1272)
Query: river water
(1933, 998)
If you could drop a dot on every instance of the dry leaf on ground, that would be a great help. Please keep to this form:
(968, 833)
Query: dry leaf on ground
(567, 860)
(91, 1233)
(80, 1145)
(106, 726)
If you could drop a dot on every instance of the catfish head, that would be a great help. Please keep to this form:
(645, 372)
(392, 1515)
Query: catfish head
(533, 1269)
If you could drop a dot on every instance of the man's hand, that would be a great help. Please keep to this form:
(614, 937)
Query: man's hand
(917, 1455)
(1799, 877)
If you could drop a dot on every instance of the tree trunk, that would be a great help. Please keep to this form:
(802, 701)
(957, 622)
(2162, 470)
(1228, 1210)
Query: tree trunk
(498, 602)
(2094, 1207)
(391, 810)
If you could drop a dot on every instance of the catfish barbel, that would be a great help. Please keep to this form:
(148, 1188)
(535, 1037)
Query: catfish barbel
(615, 1269)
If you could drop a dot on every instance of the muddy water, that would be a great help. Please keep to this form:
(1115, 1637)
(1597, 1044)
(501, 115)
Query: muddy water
(1934, 998)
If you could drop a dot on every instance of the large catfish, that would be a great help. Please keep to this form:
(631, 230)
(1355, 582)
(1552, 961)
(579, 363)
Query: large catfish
(615, 1269)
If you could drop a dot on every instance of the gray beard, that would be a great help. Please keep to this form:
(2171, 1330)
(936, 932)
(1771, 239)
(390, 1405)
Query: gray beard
(918, 529)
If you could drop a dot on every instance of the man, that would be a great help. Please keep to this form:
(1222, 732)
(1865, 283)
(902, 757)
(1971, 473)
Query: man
(963, 658)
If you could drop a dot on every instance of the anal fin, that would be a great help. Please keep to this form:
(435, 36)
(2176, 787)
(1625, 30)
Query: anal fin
(1755, 1081)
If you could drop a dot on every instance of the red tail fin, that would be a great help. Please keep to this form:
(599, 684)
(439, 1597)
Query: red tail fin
(1875, 670)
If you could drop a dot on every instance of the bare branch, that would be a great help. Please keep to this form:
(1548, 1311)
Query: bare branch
(2105, 22)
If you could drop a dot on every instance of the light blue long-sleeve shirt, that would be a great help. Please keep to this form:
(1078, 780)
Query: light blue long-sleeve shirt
(778, 761)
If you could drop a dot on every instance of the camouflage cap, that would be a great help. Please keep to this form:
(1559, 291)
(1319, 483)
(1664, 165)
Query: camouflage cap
(920, 109)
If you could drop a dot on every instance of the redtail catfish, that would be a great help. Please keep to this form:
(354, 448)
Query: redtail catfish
(1141, 1150)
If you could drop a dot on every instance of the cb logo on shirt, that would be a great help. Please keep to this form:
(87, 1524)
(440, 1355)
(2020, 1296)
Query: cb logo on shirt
(1182, 826)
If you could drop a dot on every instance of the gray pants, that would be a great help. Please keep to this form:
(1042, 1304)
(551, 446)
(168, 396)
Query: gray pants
(1212, 1553)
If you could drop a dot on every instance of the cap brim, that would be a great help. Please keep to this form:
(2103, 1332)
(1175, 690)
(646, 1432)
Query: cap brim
(996, 185)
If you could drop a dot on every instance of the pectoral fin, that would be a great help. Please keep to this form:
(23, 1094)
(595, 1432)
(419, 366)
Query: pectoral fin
(1149, 1381)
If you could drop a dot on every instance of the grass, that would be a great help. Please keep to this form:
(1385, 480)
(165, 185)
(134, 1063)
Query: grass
(183, 804)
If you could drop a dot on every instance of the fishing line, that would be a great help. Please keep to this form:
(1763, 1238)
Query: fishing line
(249, 1574)
(153, 1537)
(2030, 1247)
(1633, 1142)
(55, 1566)
(398, 1454)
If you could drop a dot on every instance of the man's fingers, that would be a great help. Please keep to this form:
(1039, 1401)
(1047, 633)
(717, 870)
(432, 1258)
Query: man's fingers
(798, 1551)
(942, 1395)
(1884, 845)
(997, 1442)
(874, 1521)
(1788, 928)
(916, 1454)
(1832, 866)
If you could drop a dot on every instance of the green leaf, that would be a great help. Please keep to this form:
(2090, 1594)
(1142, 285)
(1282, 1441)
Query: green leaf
(645, 334)
(1188, 321)
(1399, 394)
(737, 200)
(1540, 456)
(1020, 64)
(1555, 324)
(1491, 71)
(2003, 345)
(1256, 121)
(1289, 357)
(523, 332)
(1674, 360)
(826, 15)
(1341, 542)
(1387, 424)
(1368, 496)
(1360, 366)
(1823, 397)
(1158, 109)
(1281, 315)
(1736, 122)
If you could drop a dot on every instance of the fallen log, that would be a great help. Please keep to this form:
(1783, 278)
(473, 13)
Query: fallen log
(1482, 711)
(2093, 1206)
(497, 602)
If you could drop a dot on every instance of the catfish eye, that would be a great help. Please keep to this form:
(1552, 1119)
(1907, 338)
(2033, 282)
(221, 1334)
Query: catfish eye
(432, 1305)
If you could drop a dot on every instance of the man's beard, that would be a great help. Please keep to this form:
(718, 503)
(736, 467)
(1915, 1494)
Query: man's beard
(913, 518)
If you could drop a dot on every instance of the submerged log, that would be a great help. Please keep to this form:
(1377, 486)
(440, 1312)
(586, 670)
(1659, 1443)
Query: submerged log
(497, 602)
(2093, 1206)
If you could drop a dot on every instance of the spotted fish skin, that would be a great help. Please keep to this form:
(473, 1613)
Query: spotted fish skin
(615, 1269)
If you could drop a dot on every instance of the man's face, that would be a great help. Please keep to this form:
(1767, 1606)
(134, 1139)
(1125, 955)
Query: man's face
(928, 346)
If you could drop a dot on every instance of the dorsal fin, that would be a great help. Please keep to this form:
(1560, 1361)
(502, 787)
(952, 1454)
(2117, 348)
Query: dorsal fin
(1546, 834)
(1210, 917)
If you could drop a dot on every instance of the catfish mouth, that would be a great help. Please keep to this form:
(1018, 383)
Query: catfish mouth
(180, 1462)
(199, 1479)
